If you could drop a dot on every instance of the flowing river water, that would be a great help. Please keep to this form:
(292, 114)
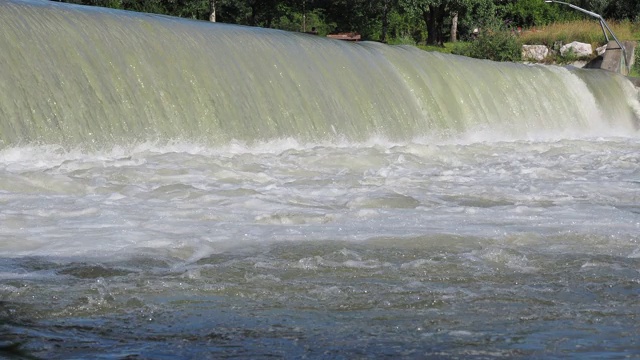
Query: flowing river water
(179, 189)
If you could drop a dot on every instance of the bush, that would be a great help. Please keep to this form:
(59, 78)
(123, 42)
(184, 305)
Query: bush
(635, 70)
(404, 40)
(496, 45)
(461, 48)
(528, 13)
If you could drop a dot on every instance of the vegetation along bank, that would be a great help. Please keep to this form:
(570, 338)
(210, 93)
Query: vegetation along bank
(501, 26)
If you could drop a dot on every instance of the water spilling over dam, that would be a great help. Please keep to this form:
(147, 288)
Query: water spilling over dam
(179, 189)
(78, 75)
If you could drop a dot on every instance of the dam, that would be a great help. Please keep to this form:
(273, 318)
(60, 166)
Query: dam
(173, 188)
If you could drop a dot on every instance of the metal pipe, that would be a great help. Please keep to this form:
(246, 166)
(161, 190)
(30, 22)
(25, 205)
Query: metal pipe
(604, 31)
(603, 25)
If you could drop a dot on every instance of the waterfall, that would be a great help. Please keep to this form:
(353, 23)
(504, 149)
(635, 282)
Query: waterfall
(76, 75)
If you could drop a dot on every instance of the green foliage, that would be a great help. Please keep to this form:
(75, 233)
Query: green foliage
(623, 9)
(635, 70)
(568, 58)
(497, 44)
(351, 15)
(447, 48)
(404, 40)
(405, 28)
(597, 6)
(478, 14)
(529, 13)
(393, 21)
(296, 21)
(462, 48)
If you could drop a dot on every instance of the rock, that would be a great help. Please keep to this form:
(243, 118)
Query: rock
(534, 52)
(579, 49)
(601, 49)
(579, 64)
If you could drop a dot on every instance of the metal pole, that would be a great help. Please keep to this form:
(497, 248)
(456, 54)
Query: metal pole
(604, 31)
(603, 24)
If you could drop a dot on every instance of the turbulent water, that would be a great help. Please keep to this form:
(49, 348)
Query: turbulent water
(179, 189)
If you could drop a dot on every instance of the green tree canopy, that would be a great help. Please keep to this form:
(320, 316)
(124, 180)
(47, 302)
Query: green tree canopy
(428, 21)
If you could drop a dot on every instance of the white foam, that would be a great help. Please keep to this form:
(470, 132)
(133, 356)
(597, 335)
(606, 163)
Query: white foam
(188, 201)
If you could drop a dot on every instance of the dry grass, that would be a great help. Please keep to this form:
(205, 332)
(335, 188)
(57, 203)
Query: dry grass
(587, 31)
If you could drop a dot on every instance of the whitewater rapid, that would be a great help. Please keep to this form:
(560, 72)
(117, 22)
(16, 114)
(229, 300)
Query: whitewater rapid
(180, 189)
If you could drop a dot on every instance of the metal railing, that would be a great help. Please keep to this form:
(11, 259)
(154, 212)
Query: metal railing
(603, 25)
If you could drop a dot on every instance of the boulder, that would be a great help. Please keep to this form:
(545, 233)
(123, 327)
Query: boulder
(579, 49)
(600, 51)
(534, 52)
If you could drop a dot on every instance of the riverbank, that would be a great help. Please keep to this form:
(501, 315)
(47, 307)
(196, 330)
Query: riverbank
(553, 37)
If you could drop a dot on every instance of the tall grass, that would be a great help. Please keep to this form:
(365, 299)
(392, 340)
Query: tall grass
(586, 31)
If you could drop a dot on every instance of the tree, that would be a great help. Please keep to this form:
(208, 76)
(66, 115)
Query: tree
(436, 14)
(453, 37)
(212, 10)
(384, 8)
(432, 12)
(597, 6)
(623, 9)
(529, 13)
(396, 21)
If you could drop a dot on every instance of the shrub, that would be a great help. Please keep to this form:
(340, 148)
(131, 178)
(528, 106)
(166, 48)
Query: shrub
(635, 70)
(461, 48)
(497, 45)
(528, 13)
(403, 40)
